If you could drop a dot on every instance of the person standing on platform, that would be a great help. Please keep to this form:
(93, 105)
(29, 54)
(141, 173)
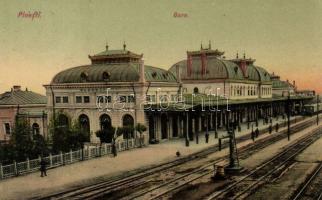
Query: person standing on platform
(43, 167)
(276, 127)
(207, 137)
(257, 132)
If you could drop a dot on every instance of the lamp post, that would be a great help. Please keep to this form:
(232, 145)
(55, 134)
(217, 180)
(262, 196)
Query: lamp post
(233, 167)
(216, 123)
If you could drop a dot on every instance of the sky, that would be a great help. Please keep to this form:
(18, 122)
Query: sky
(284, 37)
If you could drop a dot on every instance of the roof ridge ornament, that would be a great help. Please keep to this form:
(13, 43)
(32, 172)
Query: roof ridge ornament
(209, 45)
(124, 45)
(106, 46)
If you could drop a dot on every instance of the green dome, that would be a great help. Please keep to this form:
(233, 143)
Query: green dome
(215, 69)
(263, 74)
(221, 69)
(281, 84)
(112, 72)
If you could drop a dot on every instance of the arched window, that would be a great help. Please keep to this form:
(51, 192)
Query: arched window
(195, 90)
(128, 121)
(106, 76)
(84, 76)
(84, 124)
(35, 128)
(105, 122)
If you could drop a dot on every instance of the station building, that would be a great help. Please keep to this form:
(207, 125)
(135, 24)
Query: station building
(18, 103)
(203, 92)
(111, 91)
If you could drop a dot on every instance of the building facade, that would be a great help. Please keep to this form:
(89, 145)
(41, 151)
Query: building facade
(203, 92)
(19, 103)
(111, 91)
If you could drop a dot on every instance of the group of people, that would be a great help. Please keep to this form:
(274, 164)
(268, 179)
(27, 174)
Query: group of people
(255, 133)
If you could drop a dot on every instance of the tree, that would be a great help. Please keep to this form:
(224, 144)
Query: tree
(58, 135)
(140, 128)
(7, 153)
(77, 136)
(59, 139)
(127, 132)
(105, 134)
(40, 146)
(110, 135)
(22, 139)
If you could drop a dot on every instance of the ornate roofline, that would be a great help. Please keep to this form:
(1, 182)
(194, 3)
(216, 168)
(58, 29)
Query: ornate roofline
(128, 55)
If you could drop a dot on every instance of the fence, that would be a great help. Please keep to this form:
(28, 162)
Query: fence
(87, 153)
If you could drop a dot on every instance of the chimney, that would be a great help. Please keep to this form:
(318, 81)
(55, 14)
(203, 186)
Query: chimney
(142, 76)
(178, 75)
(16, 88)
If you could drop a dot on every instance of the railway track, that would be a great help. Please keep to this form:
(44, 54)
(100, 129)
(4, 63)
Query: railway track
(138, 179)
(175, 183)
(311, 189)
(244, 186)
(161, 190)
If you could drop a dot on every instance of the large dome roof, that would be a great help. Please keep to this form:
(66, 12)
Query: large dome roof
(216, 69)
(257, 73)
(112, 72)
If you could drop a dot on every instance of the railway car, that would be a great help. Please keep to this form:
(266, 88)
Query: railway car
(312, 109)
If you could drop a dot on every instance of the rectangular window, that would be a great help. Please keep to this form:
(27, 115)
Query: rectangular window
(65, 99)
(100, 99)
(122, 99)
(58, 99)
(78, 99)
(104, 99)
(109, 99)
(86, 99)
(130, 99)
(7, 128)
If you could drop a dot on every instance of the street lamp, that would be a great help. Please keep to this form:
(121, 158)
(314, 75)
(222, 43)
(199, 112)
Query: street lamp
(233, 167)
(216, 124)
